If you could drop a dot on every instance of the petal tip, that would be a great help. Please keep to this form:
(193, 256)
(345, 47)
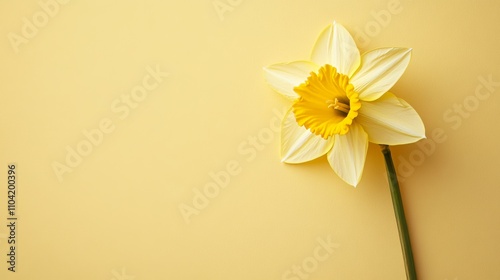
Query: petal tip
(353, 184)
(285, 158)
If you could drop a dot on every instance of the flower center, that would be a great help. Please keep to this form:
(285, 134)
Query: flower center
(337, 105)
(327, 103)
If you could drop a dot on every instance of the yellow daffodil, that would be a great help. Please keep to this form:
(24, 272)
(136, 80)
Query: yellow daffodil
(341, 102)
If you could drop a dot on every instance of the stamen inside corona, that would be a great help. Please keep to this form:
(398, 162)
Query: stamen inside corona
(337, 105)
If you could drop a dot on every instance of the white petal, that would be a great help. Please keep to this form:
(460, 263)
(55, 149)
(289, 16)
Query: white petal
(347, 158)
(390, 120)
(283, 77)
(300, 145)
(335, 46)
(380, 69)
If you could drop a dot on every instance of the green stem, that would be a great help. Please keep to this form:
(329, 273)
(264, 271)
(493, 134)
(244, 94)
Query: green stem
(397, 202)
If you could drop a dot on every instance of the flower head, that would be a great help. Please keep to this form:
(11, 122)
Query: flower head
(341, 102)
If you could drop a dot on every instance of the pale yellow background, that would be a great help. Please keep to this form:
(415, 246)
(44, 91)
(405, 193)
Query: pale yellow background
(116, 215)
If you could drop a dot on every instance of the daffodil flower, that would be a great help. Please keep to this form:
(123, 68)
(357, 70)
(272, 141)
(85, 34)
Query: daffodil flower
(341, 102)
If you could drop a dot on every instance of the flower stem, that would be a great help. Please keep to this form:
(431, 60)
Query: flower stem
(397, 202)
